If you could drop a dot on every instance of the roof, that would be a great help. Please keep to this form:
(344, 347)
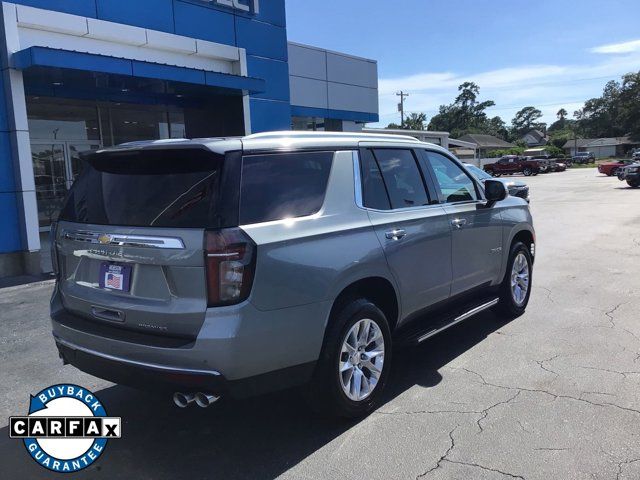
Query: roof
(486, 141)
(537, 134)
(600, 142)
(581, 142)
(278, 141)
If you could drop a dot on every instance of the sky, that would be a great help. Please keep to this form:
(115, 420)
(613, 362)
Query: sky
(548, 54)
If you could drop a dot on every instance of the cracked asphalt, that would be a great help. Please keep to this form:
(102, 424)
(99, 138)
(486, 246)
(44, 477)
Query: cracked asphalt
(554, 394)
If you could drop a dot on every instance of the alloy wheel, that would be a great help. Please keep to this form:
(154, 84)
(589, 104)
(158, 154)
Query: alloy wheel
(361, 359)
(520, 279)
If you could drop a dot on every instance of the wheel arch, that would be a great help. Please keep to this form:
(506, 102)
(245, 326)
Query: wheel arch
(378, 289)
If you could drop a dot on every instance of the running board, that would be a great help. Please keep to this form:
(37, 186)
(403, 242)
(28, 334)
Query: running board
(435, 322)
(459, 319)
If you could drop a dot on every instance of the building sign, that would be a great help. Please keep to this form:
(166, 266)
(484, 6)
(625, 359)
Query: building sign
(247, 6)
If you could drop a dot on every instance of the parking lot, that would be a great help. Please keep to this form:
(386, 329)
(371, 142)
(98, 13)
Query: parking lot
(552, 394)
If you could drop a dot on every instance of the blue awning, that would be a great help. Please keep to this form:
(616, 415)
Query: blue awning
(57, 58)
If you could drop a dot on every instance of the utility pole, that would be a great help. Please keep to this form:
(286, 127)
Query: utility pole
(402, 96)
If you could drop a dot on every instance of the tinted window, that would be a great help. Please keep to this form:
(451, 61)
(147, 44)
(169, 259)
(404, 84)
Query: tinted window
(454, 183)
(374, 193)
(283, 185)
(402, 178)
(161, 188)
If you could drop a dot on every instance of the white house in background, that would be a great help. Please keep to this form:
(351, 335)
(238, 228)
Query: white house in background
(602, 147)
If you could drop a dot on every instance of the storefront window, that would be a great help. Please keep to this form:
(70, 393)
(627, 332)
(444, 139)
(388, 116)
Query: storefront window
(53, 119)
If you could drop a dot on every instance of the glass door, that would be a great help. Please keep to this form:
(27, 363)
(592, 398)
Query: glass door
(50, 172)
(55, 166)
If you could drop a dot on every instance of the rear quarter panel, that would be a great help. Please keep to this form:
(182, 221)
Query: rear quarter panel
(311, 259)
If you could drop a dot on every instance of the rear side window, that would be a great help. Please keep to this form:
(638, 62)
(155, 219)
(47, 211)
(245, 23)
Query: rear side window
(283, 185)
(149, 188)
(401, 177)
(374, 193)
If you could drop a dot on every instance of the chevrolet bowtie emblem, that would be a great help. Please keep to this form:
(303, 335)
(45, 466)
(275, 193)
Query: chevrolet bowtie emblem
(104, 239)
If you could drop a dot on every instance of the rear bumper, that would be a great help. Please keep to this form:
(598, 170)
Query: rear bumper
(139, 374)
(237, 348)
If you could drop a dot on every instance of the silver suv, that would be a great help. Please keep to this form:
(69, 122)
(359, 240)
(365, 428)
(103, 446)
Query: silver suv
(238, 266)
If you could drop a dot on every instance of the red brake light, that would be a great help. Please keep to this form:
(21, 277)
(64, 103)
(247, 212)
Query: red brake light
(230, 258)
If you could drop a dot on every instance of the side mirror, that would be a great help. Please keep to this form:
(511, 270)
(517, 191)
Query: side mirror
(495, 191)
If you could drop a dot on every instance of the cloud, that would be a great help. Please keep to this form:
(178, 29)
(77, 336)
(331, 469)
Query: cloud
(617, 48)
(547, 87)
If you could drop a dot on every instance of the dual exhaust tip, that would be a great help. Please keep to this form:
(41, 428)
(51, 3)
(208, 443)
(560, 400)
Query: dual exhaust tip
(203, 400)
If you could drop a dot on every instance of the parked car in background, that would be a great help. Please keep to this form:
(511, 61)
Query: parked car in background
(515, 187)
(558, 165)
(630, 173)
(583, 158)
(549, 163)
(218, 267)
(510, 164)
(611, 168)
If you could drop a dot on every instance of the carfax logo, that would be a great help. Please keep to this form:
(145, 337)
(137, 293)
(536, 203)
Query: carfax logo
(67, 428)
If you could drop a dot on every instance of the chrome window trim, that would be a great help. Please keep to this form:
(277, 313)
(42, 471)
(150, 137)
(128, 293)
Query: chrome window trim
(120, 240)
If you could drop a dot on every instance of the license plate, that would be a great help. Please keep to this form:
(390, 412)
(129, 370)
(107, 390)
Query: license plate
(115, 276)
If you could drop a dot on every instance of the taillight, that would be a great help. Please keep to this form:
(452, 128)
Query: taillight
(230, 259)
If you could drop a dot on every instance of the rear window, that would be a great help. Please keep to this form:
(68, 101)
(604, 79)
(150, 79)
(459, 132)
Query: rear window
(283, 185)
(150, 188)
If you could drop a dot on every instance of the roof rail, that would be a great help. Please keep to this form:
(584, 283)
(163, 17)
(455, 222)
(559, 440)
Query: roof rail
(352, 135)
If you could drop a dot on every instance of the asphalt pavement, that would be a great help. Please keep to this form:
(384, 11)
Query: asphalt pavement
(553, 394)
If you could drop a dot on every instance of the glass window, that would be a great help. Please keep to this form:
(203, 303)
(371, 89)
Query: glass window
(62, 119)
(162, 188)
(134, 123)
(454, 183)
(402, 178)
(284, 185)
(374, 193)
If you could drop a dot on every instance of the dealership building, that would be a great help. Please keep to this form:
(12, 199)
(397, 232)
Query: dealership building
(80, 75)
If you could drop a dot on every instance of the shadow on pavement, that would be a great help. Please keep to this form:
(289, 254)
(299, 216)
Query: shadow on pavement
(255, 438)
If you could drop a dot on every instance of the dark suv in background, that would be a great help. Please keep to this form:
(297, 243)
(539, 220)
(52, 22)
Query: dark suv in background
(582, 158)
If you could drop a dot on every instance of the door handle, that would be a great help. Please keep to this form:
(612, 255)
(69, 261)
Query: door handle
(395, 234)
(459, 222)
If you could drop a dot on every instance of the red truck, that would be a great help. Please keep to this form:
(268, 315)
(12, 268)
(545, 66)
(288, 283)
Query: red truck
(510, 164)
(611, 168)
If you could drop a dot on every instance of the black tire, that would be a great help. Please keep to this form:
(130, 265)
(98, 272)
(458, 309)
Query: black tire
(527, 172)
(507, 306)
(325, 393)
(614, 172)
(633, 183)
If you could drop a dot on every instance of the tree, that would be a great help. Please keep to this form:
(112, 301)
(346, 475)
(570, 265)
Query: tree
(558, 127)
(526, 120)
(629, 105)
(467, 115)
(415, 121)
